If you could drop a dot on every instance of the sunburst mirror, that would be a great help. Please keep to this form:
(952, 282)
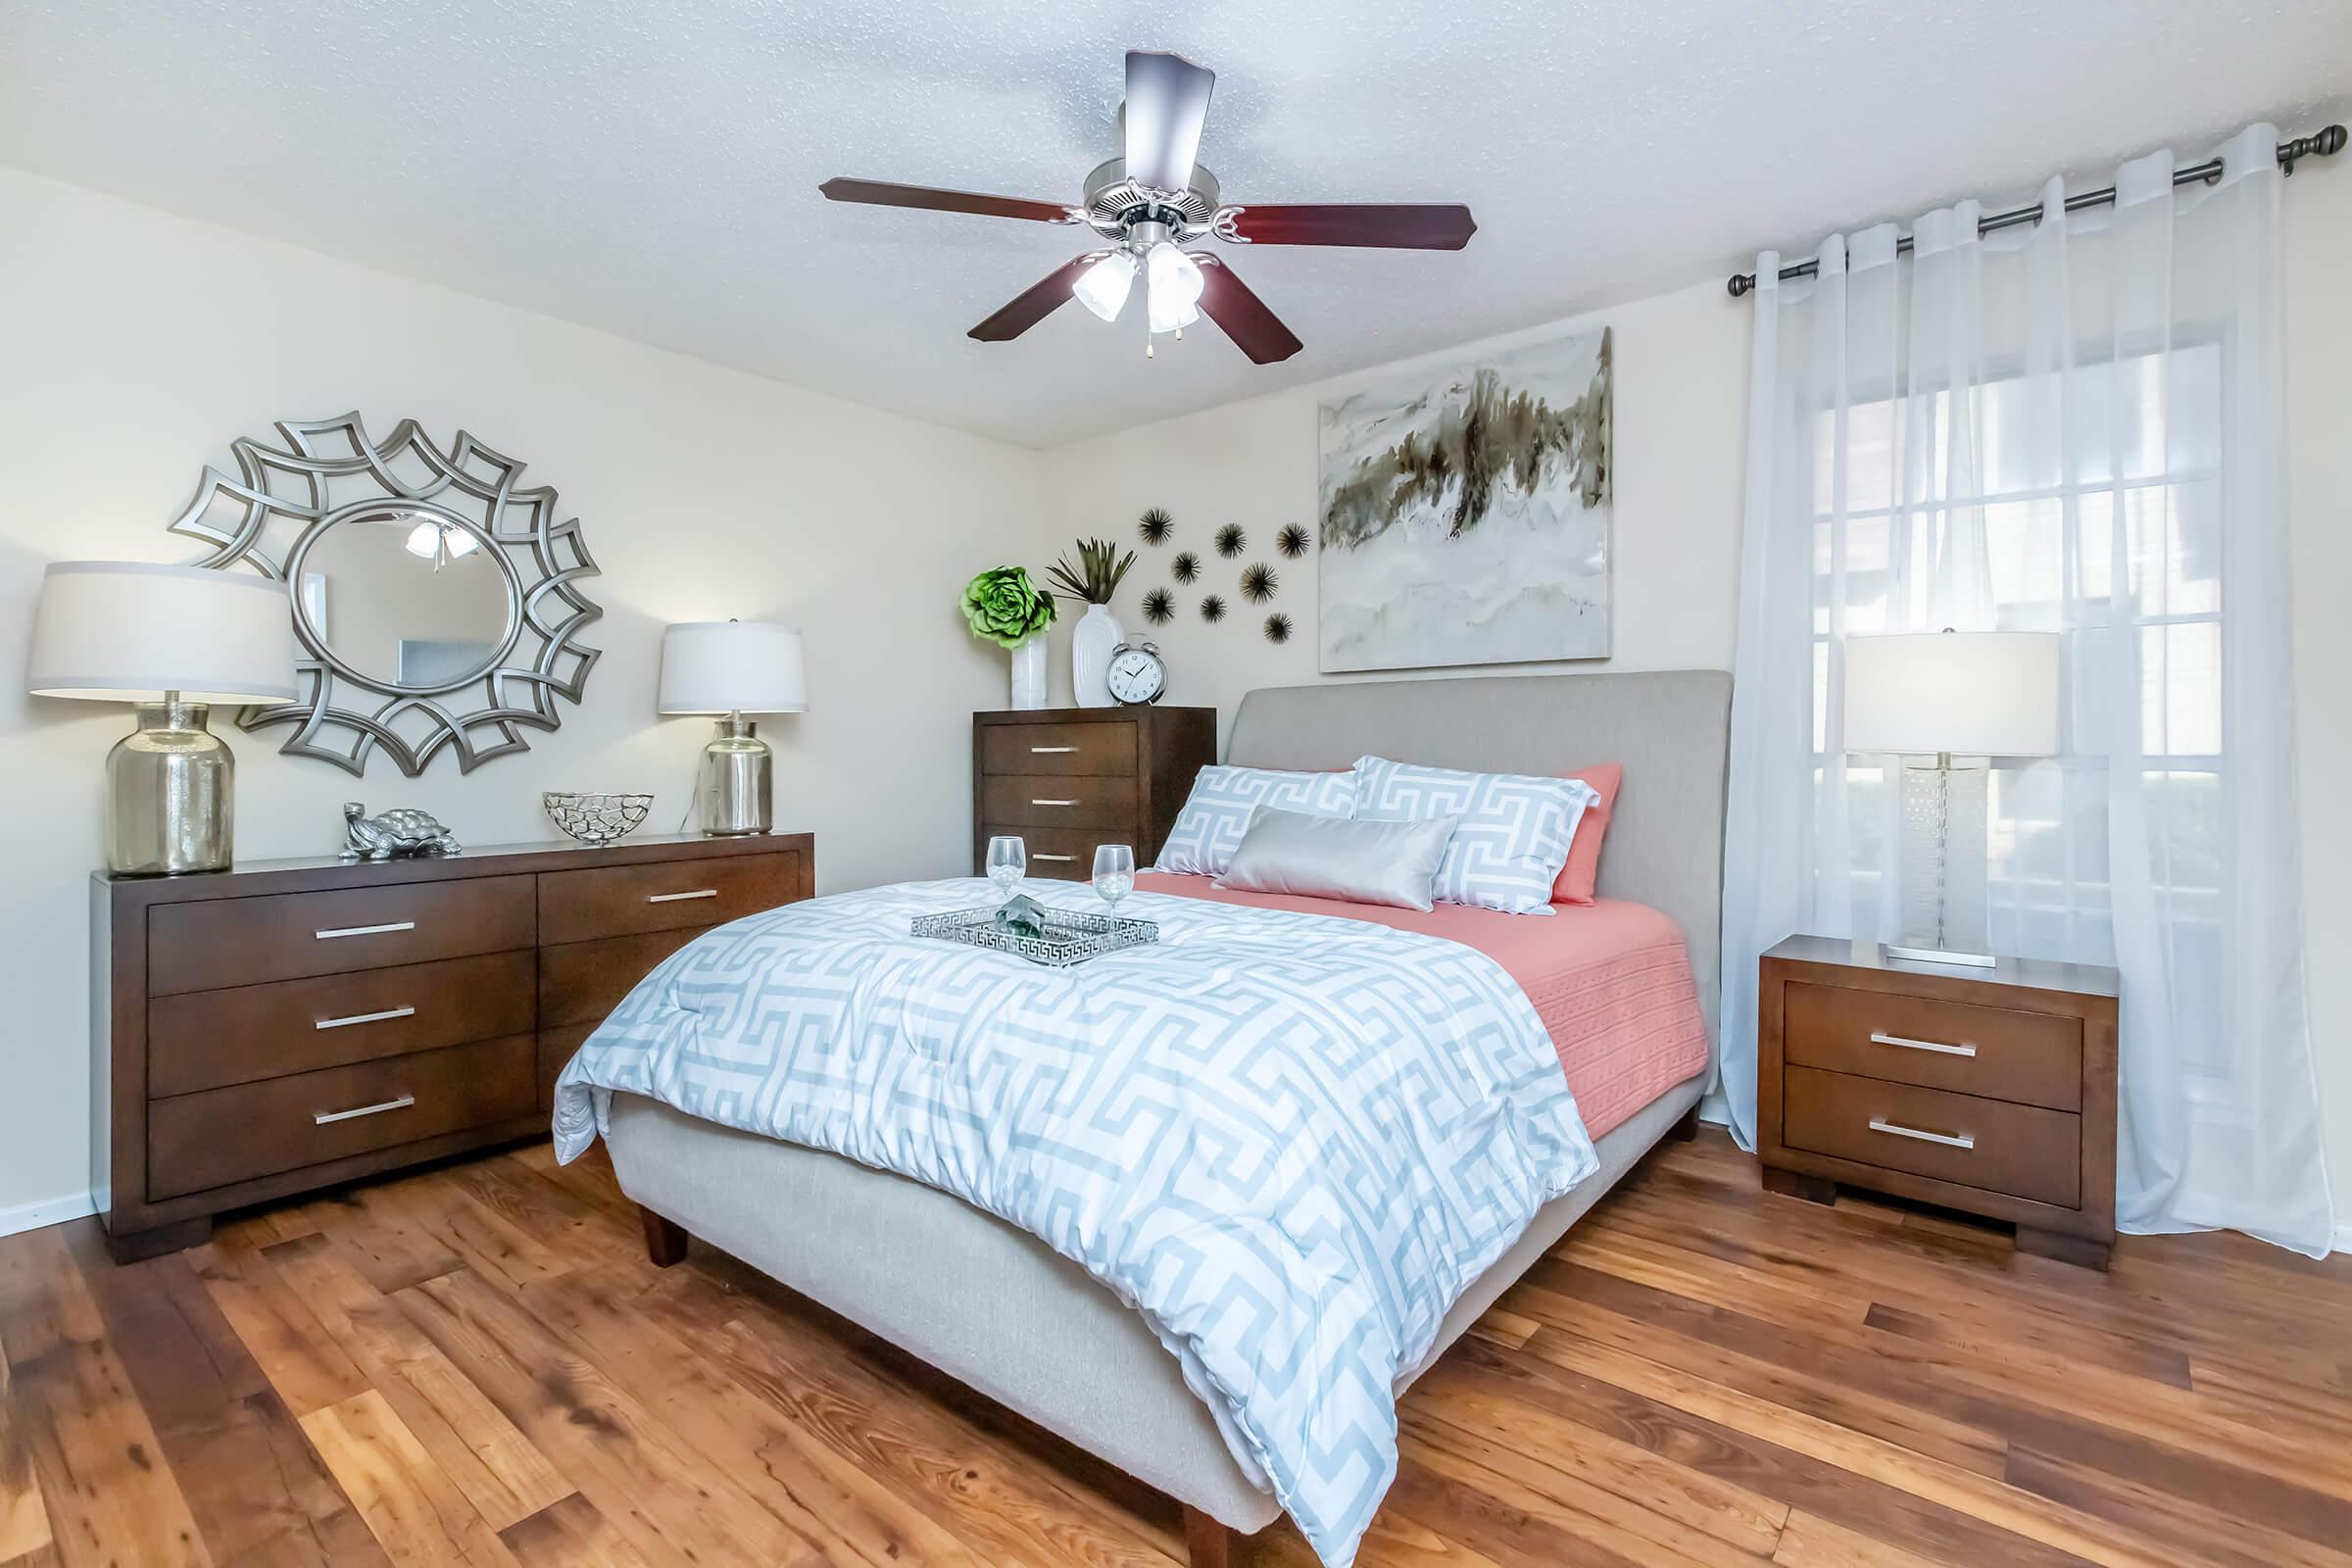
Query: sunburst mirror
(436, 600)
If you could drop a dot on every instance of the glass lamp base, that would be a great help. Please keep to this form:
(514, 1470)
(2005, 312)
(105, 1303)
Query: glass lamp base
(1944, 910)
(737, 791)
(170, 795)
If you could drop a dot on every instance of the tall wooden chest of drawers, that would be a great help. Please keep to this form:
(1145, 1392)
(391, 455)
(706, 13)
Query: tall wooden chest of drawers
(291, 1024)
(1992, 1091)
(1067, 779)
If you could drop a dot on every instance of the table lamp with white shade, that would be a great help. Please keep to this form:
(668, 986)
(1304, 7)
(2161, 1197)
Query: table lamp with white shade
(1928, 696)
(174, 640)
(728, 669)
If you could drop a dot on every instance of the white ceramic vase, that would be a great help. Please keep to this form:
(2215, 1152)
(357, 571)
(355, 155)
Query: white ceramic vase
(1091, 643)
(1029, 673)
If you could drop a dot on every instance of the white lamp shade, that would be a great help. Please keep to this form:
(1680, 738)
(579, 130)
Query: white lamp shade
(130, 631)
(732, 666)
(1973, 693)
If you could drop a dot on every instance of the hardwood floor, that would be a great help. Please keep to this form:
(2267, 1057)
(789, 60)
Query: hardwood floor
(479, 1365)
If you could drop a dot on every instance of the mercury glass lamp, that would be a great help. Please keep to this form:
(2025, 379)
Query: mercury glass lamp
(1929, 698)
(172, 641)
(729, 668)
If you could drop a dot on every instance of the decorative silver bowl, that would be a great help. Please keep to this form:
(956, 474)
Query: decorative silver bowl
(596, 818)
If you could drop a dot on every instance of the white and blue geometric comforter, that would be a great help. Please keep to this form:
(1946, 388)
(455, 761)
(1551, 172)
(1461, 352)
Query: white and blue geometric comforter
(1290, 1140)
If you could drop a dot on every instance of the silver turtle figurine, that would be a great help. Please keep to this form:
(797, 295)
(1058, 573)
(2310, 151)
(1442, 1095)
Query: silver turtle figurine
(396, 835)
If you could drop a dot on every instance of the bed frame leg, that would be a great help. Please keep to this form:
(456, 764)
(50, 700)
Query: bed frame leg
(1684, 1131)
(664, 1238)
(1211, 1543)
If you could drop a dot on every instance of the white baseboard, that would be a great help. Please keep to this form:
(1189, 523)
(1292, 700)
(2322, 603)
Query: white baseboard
(48, 1211)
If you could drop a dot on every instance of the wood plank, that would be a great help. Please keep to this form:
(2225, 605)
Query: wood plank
(502, 1473)
(93, 1451)
(306, 1366)
(414, 1509)
(569, 1533)
(653, 1486)
(24, 1514)
(257, 1489)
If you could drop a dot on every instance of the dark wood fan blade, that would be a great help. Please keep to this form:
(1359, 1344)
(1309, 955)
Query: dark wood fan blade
(1227, 301)
(1387, 226)
(1036, 302)
(882, 193)
(1167, 104)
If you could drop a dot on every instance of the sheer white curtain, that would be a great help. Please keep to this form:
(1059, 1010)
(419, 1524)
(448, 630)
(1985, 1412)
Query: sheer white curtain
(2074, 427)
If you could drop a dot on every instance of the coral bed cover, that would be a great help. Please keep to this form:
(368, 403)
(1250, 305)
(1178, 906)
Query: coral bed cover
(1610, 980)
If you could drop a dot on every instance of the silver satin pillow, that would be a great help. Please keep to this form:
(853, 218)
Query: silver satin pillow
(1339, 857)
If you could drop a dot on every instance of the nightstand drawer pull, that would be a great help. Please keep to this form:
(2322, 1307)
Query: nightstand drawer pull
(675, 897)
(1053, 803)
(1051, 751)
(1949, 1139)
(363, 930)
(348, 1020)
(1062, 860)
(377, 1109)
(1909, 1044)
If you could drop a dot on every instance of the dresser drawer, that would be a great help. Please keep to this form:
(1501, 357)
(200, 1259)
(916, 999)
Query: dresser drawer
(219, 943)
(614, 901)
(2000, 1053)
(2022, 1151)
(1085, 749)
(210, 1039)
(1064, 852)
(580, 982)
(1058, 799)
(227, 1135)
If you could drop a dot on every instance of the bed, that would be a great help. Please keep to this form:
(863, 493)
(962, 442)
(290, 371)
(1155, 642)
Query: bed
(1007, 1314)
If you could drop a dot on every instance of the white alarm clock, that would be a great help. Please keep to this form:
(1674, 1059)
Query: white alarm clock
(1137, 676)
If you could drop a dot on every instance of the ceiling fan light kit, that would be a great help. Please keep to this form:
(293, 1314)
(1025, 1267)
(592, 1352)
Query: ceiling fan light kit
(1152, 202)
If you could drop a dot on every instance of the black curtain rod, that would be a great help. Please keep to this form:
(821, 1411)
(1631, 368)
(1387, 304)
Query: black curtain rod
(2326, 143)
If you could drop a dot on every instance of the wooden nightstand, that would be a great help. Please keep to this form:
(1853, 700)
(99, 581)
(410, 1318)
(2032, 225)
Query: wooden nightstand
(1069, 780)
(1991, 1091)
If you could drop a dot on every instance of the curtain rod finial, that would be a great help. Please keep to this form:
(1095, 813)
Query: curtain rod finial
(2326, 142)
(1742, 283)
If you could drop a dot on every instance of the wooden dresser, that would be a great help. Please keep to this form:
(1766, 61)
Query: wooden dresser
(1066, 779)
(294, 1023)
(1992, 1091)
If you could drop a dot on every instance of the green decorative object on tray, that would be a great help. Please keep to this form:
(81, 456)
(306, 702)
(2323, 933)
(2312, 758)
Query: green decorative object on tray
(1063, 936)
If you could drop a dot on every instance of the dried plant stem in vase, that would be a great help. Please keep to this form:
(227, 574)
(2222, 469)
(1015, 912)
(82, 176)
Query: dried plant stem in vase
(1095, 578)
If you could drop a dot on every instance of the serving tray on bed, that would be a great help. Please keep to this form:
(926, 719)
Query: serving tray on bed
(1072, 936)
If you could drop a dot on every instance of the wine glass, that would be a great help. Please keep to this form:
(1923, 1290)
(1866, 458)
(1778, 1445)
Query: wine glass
(1007, 863)
(1114, 873)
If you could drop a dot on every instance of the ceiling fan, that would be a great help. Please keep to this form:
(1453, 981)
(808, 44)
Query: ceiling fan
(1155, 200)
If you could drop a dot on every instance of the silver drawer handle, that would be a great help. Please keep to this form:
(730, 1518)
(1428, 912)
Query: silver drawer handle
(402, 1104)
(1049, 750)
(672, 898)
(365, 1017)
(1053, 803)
(1909, 1044)
(363, 930)
(1043, 856)
(1949, 1139)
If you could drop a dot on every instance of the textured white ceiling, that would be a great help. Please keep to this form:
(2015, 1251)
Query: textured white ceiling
(652, 168)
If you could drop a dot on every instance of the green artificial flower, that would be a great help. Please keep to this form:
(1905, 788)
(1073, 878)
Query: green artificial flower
(1005, 606)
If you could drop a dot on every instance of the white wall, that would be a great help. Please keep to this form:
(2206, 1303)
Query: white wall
(1681, 430)
(137, 344)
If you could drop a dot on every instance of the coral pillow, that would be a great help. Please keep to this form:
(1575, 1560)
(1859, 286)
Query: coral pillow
(1583, 869)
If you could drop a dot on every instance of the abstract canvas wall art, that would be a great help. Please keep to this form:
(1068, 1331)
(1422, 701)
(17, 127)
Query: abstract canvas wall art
(1465, 511)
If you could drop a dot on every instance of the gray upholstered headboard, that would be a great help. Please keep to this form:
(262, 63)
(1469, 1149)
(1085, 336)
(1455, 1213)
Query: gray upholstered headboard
(1670, 728)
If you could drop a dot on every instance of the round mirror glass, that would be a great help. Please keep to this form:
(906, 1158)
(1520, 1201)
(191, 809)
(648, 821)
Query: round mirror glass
(404, 595)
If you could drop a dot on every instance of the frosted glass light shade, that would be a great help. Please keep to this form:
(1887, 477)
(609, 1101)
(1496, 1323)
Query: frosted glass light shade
(128, 631)
(732, 666)
(1973, 693)
(1103, 287)
(1173, 284)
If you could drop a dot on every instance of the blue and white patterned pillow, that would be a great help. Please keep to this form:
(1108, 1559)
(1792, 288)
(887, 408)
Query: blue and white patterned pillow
(1514, 834)
(1217, 812)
